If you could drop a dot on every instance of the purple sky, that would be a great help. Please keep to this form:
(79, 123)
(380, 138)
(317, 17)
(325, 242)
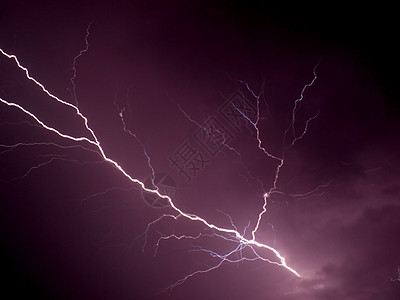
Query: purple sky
(335, 215)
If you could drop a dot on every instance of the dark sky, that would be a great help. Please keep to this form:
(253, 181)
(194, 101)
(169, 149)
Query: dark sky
(73, 227)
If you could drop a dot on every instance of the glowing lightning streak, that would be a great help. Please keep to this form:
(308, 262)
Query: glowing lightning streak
(305, 128)
(295, 139)
(95, 142)
(266, 195)
(223, 259)
(296, 102)
(128, 131)
(31, 170)
(55, 98)
(180, 237)
(13, 147)
(53, 157)
(66, 136)
(72, 79)
(280, 165)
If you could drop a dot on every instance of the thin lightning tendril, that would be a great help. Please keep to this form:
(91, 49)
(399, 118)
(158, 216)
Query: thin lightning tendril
(24, 144)
(128, 131)
(297, 102)
(74, 71)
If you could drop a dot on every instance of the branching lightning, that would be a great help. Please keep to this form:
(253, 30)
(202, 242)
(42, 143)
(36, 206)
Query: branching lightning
(231, 235)
(241, 244)
(280, 160)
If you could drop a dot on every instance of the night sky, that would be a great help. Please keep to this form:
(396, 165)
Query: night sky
(73, 227)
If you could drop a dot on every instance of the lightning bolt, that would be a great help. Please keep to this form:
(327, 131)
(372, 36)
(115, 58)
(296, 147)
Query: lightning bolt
(242, 244)
(297, 103)
(128, 131)
(228, 234)
(75, 60)
(280, 160)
